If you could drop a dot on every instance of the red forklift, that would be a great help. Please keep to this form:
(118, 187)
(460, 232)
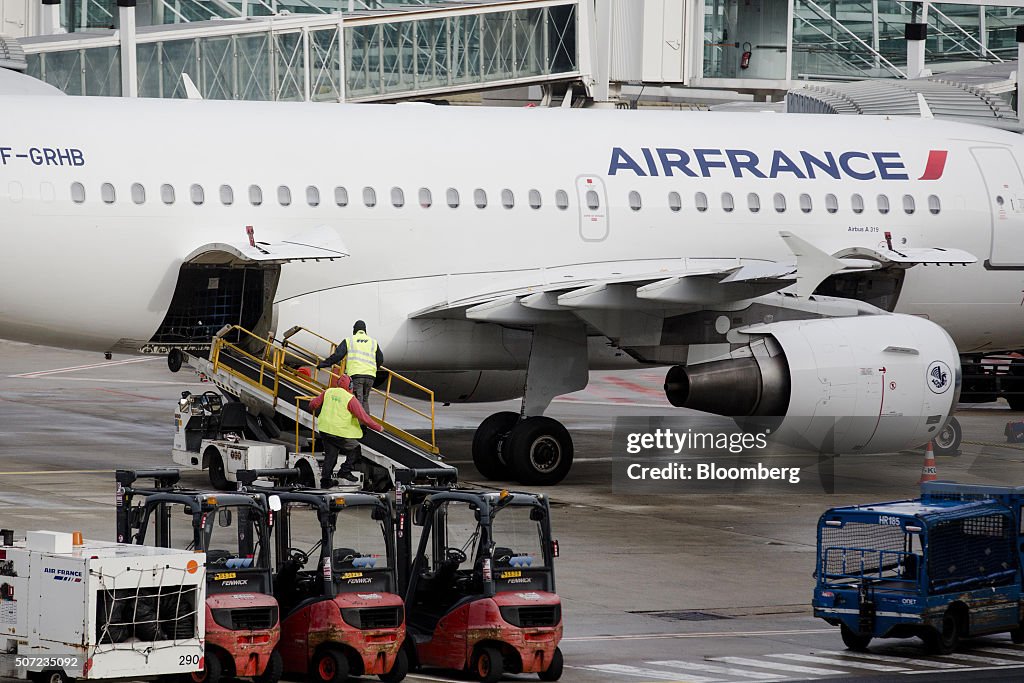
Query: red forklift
(242, 627)
(480, 588)
(335, 581)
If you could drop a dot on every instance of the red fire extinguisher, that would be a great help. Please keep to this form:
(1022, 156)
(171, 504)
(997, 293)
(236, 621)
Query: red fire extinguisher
(745, 58)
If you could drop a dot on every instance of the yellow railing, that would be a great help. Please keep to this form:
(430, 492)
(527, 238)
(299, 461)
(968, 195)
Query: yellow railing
(276, 360)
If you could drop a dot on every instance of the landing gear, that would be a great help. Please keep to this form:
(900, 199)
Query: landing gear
(535, 450)
(947, 441)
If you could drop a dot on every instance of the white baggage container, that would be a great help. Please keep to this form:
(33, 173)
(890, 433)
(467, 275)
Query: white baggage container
(103, 610)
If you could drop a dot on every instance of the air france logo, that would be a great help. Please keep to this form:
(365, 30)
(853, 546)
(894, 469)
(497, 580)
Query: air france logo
(744, 163)
(69, 575)
(938, 377)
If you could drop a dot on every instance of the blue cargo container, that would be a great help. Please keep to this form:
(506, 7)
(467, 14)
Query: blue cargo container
(940, 567)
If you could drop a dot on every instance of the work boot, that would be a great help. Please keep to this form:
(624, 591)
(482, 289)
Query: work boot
(328, 483)
(348, 476)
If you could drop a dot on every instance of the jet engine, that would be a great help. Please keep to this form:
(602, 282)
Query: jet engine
(864, 384)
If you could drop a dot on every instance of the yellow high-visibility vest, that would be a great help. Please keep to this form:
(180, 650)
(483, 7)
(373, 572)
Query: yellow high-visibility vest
(335, 418)
(361, 358)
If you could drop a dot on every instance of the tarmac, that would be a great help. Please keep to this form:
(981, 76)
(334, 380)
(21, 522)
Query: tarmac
(704, 584)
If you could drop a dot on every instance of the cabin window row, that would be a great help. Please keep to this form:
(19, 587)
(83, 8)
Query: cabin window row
(804, 202)
(226, 195)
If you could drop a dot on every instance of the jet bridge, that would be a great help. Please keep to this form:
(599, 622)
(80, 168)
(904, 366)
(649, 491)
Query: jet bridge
(270, 377)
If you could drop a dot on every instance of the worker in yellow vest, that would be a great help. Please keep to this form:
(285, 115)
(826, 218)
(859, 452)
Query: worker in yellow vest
(340, 423)
(363, 357)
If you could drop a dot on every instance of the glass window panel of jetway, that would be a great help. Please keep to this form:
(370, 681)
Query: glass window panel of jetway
(63, 70)
(1000, 27)
(841, 39)
(254, 64)
(325, 69)
(397, 56)
(217, 74)
(745, 38)
(289, 67)
(561, 38)
(498, 57)
(529, 44)
(433, 52)
(161, 65)
(954, 34)
(362, 47)
(464, 36)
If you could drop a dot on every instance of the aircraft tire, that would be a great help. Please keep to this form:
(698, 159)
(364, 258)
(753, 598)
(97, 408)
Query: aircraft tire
(539, 450)
(487, 441)
(947, 441)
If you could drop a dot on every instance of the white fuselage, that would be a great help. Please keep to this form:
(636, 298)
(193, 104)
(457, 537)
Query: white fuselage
(99, 275)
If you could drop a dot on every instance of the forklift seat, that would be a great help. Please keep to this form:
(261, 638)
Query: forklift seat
(233, 418)
(503, 557)
(343, 558)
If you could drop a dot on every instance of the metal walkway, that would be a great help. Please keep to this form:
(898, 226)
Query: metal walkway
(364, 56)
(267, 372)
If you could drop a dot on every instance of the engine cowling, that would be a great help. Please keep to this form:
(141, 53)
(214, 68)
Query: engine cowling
(864, 384)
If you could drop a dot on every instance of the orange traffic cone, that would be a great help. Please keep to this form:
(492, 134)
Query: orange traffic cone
(928, 472)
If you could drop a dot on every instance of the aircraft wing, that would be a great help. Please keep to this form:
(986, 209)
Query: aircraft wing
(691, 285)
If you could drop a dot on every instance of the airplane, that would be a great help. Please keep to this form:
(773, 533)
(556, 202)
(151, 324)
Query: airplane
(807, 267)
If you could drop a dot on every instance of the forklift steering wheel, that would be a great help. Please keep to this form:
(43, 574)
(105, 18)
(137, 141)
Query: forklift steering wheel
(454, 555)
(297, 556)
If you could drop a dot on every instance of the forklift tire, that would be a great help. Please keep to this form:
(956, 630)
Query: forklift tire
(854, 641)
(306, 476)
(213, 670)
(399, 669)
(947, 441)
(554, 670)
(487, 456)
(540, 451)
(174, 360)
(946, 641)
(330, 666)
(218, 479)
(273, 671)
(53, 676)
(488, 665)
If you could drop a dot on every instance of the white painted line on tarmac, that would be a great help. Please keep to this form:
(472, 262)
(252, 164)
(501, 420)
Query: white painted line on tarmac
(426, 677)
(642, 672)
(712, 669)
(75, 368)
(849, 663)
(713, 634)
(100, 380)
(23, 472)
(966, 668)
(779, 666)
(848, 654)
(1005, 650)
(974, 658)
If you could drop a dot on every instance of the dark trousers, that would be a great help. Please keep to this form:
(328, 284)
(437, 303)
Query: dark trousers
(333, 445)
(361, 385)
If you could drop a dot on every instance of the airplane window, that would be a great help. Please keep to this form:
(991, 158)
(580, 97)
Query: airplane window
(883, 204)
(675, 202)
(634, 200)
(426, 198)
(908, 204)
(534, 199)
(138, 193)
(397, 197)
(227, 195)
(369, 197)
(197, 194)
(753, 202)
(831, 203)
(284, 195)
(341, 196)
(728, 204)
(508, 200)
(700, 200)
(479, 198)
(857, 203)
(453, 197)
(780, 202)
(562, 199)
(934, 205)
(255, 195)
(167, 194)
(805, 203)
(313, 195)
(593, 201)
(77, 193)
(107, 193)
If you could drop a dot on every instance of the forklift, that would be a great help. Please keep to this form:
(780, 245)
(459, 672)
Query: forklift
(480, 588)
(242, 625)
(342, 615)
